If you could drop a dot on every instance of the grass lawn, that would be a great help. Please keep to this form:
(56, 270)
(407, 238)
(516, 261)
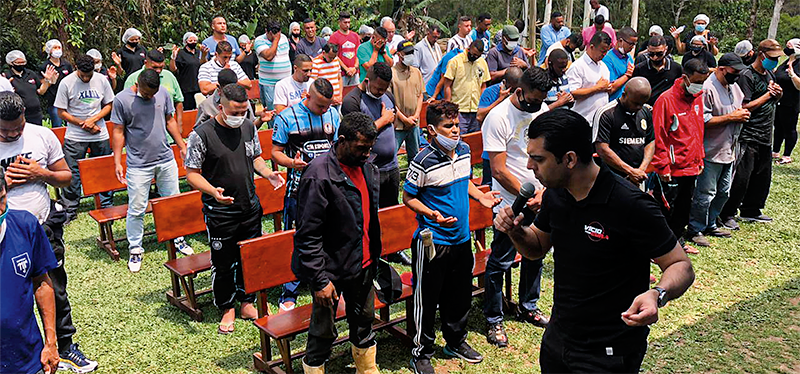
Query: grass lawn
(740, 316)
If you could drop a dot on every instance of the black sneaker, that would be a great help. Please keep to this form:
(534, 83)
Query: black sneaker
(464, 352)
(763, 218)
(534, 317)
(497, 335)
(422, 366)
(729, 223)
(73, 359)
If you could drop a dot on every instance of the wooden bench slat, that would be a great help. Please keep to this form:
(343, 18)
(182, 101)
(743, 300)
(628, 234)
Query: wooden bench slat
(190, 265)
(187, 124)
(293, 322)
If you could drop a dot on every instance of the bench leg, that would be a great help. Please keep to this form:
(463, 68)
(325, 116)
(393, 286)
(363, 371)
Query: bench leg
(187, 303)
(411, 329)
(106, 241)
(286, 354)
(262, 359)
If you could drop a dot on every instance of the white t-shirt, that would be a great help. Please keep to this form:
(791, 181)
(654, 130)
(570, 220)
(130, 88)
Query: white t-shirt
(41, 145)
(208, 71)
(83, 100)
(601, 10)
(505, 129)
(289, 92)
(5, 84)
(584, 73)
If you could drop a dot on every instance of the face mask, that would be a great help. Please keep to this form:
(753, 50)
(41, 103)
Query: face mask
(511, 45)
(699, 28)
(749, 60)
(731, 78)
(56, 53)
(233, 121)
(19, 69)
(694, 88)
(97, 67)
(529, 107)
(296, 35)
(409, 60)
(367, 91)
(447, 143)
(695, 49)
(769, 64)
(363, 40)
(191, 45)
(133, 44)
(621, 51)
(472, 58)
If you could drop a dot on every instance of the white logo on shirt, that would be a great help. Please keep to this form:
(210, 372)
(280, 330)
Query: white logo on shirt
(624, 126)
(22, 263)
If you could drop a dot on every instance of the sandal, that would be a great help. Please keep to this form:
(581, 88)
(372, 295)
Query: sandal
(497, 335)
(225, 329)
(249, 317)
(785, 160)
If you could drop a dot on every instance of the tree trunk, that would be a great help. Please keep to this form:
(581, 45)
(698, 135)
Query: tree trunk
(635, 15)
(569, 13)
(753, 19)
(532, 23)
(776, 18)
(548, 9)
(508, 9)
(586, 10)
(681, 5)
(61, 32)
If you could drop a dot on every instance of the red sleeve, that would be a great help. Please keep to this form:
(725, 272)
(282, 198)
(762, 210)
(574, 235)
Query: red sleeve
(661, 160)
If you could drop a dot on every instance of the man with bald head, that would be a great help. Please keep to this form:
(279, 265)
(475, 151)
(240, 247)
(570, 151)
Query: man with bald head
(623, 132)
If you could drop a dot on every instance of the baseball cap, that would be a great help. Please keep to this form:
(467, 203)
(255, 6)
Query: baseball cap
(405, 46)
(770, 47)
(742, 48)
(511, 32)
(732, 60)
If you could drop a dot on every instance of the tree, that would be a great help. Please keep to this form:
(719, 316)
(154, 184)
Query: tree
(776, 17)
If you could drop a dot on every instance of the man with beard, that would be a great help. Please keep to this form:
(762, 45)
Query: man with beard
(659, 70)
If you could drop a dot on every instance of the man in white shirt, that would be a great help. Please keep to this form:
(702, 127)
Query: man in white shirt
(292, 89)
(462, 39)
(589, 77)
(207, 76)
(392, 39)
(428, 53)
(505, 140)
(598, 9)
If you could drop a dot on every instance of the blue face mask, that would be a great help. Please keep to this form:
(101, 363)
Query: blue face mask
(769, 64)
(699, 28)
(447, 143)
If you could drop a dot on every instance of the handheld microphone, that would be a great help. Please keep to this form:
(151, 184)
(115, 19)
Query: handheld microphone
(526, 192)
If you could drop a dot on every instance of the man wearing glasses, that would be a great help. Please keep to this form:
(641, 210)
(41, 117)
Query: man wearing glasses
(620, 62)
(660, 70)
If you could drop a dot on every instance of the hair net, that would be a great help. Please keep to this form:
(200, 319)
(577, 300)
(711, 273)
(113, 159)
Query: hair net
(129, 33)
(15, 55)
(95, 54)
(188, 35)
(50, 44)
(656, 29)
(703, 17)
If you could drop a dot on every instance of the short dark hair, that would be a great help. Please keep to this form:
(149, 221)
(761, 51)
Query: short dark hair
(555, 15)
(308, 20)
(434, 28)
(439, 110)
(600, 37)
(300, 59)
(272, 24)
(536, 78)
(323, 87)
(3, 181)
(226, 77)
(557, 54)
(381, 71)
(234, 92)
(84, 63)
(149, 78)
(477, 43)
(463, 19)
(155, 55)
(576, 38)
(600, 19)
(224, 47)
(356, 123)
(215, 17)
(11, 106)
(520, 25)
(656, 41)
(627, 32)
(484, 16)
(695, 65)
(330, 47)
(563, 131)
(380, 31)
(344, 15)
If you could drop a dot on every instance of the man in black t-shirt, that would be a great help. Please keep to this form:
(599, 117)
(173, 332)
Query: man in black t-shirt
(222, 155)
(660, 70)
(753, 174)
(624, 136)
(698, 49)
(604, 232)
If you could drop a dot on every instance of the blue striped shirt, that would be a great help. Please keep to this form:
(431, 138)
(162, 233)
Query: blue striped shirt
(270, 72)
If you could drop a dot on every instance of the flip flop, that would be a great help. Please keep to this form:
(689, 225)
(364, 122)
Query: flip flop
(225, 329)
(785, 160)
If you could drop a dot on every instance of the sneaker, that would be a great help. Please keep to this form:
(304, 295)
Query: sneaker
(286, 306)
(763, 218)
(700, 240)
(135, 260)
(73, 359)
(464, 352)
(497, 335)
(785, 160)
(399, 258)
(729, 223)
(718, 233)
(534, 317)
(422, 366)
(183, 247)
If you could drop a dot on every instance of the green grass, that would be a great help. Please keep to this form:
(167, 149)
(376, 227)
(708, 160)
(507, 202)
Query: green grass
(740, 316)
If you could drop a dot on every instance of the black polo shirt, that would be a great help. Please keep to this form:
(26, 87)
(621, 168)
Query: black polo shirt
(602, 250)
(754, 85)
(25, 86)
(188, 65)
(660, 80)
(625, 133)
(791, 96)
(132, 60)
(704, 56)
(63, 69)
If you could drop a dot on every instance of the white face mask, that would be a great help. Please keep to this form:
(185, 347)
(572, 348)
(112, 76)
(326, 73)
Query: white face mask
(97, 67)
(622, 51)
(511, 45)
(56, 53)
(368, 92)
(233, 121)
(447, 143)
(409, 60)
(694, 88)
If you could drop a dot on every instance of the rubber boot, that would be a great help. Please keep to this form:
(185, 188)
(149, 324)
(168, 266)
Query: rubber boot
(365, 360)
(312, 369)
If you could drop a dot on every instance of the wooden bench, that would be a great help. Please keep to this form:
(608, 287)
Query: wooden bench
(61, 132)
(182, 215)
(187, 123)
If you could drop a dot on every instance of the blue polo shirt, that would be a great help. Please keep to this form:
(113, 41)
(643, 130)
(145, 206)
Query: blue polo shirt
(297, 129)
(617, 64)
(430, 88)
(442, 184)
(488, 97)
(25, 253)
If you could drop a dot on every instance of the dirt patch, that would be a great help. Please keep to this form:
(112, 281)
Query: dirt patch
(775, 339)
(795, 301)
(794, 369)
(794, 328)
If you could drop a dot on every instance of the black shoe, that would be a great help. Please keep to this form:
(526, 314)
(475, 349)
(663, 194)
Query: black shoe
(763, 218)
(399, 258)
(422, 366)
(497, 335)
(464, 352)
(718, 233)
(534, 317)
(74, 360)
(729, 223)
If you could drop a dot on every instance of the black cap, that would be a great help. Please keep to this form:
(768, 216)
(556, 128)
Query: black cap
(405, 46)
(733, 60)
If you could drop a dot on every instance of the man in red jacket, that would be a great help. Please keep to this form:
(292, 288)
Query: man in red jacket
(678, 160)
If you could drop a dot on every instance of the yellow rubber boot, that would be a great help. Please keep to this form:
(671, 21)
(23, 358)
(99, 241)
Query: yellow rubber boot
(313, 369)
(365, 360)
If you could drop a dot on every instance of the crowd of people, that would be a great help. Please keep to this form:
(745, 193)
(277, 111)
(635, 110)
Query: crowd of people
(629, 156)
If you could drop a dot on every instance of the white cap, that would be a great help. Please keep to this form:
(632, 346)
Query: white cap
(95, 54)
(795, 45)
(14, 56)
(244, 39)
(742, 48)
(703, 17)
(50, 44)
(364, 29)
(656, 29)
(129, 33)
(188, 35)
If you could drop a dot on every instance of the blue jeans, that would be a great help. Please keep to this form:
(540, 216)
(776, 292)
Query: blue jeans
(500, 260)
(267, 95)
(74, 151)
(710, 195)
(54, 118)
(468, 123)
(411, 137)
(138, 181)
(290, 292)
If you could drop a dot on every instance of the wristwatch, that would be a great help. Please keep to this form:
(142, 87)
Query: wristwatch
(662, 296)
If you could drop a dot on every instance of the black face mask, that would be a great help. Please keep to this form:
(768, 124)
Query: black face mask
(296, 35)
(191, 45)
(749, 60)
(695, 50)
(529, 107)
(133, 44)
(731, 78)
(788, 51)
(19, 69)
(365, 39)
(658, 62)
(472, 58)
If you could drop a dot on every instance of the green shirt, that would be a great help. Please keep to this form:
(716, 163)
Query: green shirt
(364, 54)
(167, 80)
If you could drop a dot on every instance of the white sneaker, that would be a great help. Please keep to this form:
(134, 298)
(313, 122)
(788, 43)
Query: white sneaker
(135, 260)
(183, 247)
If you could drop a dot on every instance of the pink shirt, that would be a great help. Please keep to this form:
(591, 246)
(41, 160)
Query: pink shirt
(589, 32)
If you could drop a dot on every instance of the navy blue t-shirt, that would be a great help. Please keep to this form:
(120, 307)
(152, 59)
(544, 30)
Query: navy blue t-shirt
(25, 253)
